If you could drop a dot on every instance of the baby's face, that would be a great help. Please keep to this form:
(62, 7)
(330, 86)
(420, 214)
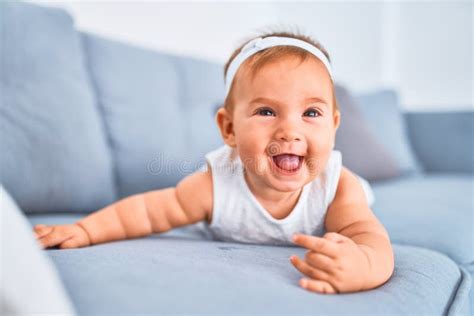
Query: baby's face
(283, 122)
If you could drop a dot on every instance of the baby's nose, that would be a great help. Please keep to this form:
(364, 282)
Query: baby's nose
(288, 135)
(288, 129)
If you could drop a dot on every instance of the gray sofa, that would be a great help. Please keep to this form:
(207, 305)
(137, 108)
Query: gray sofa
(87, 120)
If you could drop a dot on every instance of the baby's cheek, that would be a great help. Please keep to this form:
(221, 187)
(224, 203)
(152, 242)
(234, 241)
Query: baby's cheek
(255, 163)
(246, 150)
(314, 166)
(262, 165)
(316, 161)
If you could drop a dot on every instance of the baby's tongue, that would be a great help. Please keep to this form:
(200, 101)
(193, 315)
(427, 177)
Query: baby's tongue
(286, 161)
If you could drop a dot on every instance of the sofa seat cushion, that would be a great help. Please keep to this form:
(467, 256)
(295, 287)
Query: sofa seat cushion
(180, 272)
(432, 211)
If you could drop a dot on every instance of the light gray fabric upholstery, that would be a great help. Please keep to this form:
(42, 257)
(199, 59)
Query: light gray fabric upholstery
(433, 211)
(184, 271)
(158, 110)
(54, 153)
(361, 152)
(383, 113)
(443, 141)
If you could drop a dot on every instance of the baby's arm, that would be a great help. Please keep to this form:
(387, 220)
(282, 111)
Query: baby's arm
(355, 253)
(137, 216)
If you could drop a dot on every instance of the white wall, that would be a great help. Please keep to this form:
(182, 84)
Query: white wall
(435, 53)
(422, 48)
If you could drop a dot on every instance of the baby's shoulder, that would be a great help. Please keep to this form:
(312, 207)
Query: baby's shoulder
(196, 191)
(349, 188)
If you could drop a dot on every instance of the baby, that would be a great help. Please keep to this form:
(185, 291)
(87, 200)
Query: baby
(277, 179)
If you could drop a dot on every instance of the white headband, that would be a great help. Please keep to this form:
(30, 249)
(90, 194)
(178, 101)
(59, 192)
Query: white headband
(260, 43)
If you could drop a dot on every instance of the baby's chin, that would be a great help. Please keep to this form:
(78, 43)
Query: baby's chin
(287, 184)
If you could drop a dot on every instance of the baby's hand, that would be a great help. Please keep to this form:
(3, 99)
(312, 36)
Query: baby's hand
(334, 264)
(66, 236)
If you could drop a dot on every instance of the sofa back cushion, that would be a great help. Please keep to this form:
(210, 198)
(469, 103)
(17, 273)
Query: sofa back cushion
(443, 140)
(361, 151)
(384, 116)
(54, 150)
(158, 109)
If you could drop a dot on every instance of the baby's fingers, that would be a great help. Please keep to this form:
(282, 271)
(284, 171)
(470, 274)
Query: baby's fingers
(317, 244)
(309, 271)
(318, 286)
(54, 238)
(42, 230)
(73, 242)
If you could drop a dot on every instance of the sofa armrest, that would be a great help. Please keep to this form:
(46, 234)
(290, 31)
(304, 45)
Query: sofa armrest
(30, 283)
(443, 141)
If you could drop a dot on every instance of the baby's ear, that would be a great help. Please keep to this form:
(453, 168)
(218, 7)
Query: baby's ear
(337, 119)
(226, 127)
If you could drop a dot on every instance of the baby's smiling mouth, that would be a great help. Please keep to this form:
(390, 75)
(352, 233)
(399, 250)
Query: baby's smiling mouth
(288, 162)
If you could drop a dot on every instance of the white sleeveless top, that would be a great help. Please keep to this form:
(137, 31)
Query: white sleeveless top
(238, 216)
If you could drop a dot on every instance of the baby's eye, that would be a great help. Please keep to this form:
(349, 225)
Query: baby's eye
(265, 112)
(311, 113)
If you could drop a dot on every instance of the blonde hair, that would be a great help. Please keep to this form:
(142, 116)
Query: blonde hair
(264, 57)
